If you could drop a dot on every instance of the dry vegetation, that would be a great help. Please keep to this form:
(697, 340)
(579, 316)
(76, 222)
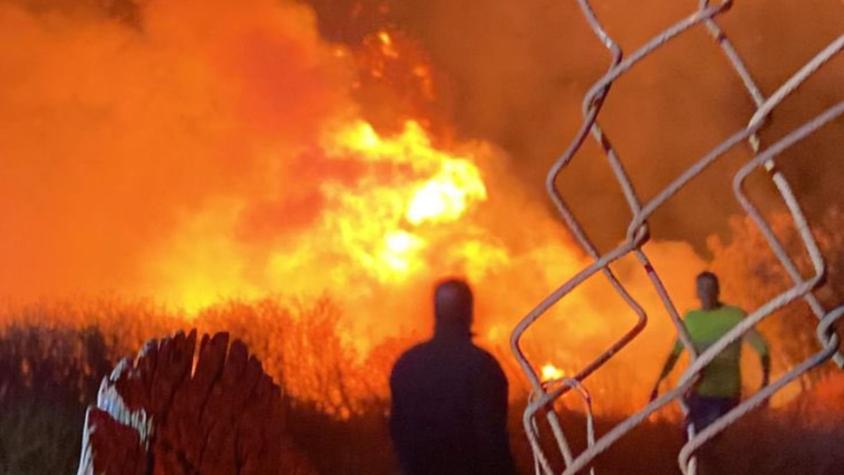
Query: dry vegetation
(336, 402)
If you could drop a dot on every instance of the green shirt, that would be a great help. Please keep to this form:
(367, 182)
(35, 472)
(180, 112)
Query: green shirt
(722, 376)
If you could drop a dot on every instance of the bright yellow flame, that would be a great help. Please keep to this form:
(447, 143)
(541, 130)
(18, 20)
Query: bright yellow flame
(388, 49)
(445, 196)
(551, 372)
(359, 136)
(379, 218)
(399, 252)
(479, 257)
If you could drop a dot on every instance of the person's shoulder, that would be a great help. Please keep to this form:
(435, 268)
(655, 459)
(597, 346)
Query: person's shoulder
(484, 354)
(693, 320)
(485, 359)
(415, 351)
(411, 356)
(734, 311)
(692, 315)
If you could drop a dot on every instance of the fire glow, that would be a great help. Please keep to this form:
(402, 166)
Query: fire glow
(223, 156)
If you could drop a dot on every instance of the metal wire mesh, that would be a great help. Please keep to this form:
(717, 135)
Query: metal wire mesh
(546, 393)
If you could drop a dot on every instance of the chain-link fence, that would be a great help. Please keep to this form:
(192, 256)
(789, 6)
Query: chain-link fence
(545, 393)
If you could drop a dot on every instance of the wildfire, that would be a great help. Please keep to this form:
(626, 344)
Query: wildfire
(422, 185)
(387, 47)
(235, 155)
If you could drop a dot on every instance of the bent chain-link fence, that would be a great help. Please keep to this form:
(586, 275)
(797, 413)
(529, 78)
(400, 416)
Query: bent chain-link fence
(544, 394)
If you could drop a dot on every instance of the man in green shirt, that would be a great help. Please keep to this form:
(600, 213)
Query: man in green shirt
(719, 388)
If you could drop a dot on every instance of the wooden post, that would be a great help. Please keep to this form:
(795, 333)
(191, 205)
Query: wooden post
(174, 412)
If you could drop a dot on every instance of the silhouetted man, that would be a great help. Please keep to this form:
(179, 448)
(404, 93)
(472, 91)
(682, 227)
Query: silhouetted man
(449, 409)
(719, 388)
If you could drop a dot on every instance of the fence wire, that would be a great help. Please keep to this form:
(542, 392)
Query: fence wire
(544, 394)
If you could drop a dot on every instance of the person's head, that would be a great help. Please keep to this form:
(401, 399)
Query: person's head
(453, 304)
(707, 290)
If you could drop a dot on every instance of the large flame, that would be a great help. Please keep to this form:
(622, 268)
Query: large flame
(381, 227)
(435, 188)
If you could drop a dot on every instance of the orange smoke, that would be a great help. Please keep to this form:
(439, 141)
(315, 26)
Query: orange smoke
(116, 135)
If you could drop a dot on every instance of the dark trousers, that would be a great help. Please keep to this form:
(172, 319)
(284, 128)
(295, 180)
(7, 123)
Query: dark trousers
(704, 410)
